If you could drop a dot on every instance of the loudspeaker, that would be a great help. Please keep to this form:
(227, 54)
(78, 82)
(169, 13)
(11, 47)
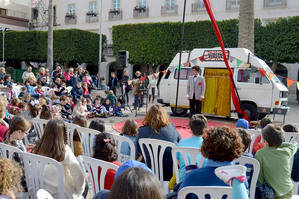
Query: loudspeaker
(123, 57)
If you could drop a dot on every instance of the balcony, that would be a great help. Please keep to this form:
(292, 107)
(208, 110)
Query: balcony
(115, 15)
(198, 8)
(92, 17)
(275, 4)
(232, 5)
(70, 18)
(13, 17)
(140, 12)
(169, 10)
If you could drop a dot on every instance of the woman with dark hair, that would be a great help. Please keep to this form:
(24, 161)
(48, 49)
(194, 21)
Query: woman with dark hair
(136, 183)
(53, 144)
(220, 147)
(97, 124)
(46, 113)
(104, 149)
(156, 125)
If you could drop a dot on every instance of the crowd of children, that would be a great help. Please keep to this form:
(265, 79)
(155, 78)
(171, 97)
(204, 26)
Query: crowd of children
(66, 94)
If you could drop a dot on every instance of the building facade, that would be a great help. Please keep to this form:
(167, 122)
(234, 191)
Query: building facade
(15, 14)
(85, 14)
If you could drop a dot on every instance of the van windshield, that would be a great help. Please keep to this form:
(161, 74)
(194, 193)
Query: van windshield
(274, 78)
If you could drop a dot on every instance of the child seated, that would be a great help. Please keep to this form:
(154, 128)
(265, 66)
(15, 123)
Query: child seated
(274, 161)
(108, 107)
(105, 150)
(129, 130)
(39, 90)
(98, 109)
(112, 98)
(197, 125)
(80, 109)
(117, 110)
(23, 92)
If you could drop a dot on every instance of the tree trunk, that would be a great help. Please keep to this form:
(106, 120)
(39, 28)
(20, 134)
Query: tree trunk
(246, 25)
(274, 66)
(50, 36)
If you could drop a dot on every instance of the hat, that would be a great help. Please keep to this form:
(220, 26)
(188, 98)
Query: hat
(242, 123)
(130, 164)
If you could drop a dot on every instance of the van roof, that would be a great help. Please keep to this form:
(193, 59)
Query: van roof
(211, 57)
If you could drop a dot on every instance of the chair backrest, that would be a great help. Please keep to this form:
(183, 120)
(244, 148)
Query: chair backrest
(215, 192)
(92, 166)
(120, 140)
(70, 134)
(254, 134)
(292, 137)
(7, 151)
(156, 149)
(34, 166)
(189, 156)
(243, 160)
(39, 126)
(43, 194)
(87, 137)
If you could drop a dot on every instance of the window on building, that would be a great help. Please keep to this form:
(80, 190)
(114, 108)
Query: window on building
(54, 15)
(141, 3)
(72, 9)
(275, 2)
(3, 11)
(235, 3)
(200, 3)
(116, 4)
(250, 76)
(169, 5)
(93, 6)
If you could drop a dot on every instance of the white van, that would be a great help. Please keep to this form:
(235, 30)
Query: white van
(259, 96)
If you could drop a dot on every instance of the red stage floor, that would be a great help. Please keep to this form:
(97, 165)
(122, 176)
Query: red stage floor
(180, 124)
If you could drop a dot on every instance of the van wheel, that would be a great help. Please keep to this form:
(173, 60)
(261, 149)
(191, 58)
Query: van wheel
(179, 111)
(251, 111)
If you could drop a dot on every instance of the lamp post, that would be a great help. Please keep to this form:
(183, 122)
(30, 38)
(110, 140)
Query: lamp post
(3, 30)
(101, 37)
(180, 58)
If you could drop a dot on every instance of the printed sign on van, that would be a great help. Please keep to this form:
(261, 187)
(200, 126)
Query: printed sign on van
(214, 55)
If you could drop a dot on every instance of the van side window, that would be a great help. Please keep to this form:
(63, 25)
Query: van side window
(249, 76)
(167, 74)
(184, 74)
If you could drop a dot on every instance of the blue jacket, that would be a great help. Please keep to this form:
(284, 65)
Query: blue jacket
(77, 92)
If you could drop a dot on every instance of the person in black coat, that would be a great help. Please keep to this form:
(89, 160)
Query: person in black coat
(113, 82)
(125, 87)
(77, 92)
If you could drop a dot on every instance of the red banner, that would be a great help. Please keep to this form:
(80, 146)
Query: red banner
(235, 99)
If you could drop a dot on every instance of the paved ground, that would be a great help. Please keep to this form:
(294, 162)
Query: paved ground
(292, 116)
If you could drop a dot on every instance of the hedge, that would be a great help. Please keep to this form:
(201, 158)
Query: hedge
(157, 43)
(69, 46)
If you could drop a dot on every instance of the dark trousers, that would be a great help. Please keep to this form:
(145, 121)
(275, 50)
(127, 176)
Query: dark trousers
(195, 106)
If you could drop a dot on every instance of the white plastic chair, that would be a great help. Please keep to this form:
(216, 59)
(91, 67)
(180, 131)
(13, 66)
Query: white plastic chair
(156, 160)
(7, 151)
(243, 160)
(34, 166)
(43, 194)
(254, 134)
(215, 192)
(70, 134)
(87, 137)
(92, 165)
(39, 126)
(119, 140)
(187, 153)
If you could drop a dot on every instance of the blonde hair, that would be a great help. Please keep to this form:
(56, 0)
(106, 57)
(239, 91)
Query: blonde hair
(3, 105)
(11, 177)
(156, 118)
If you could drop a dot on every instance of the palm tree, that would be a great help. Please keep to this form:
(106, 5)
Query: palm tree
(246, 25)
(50, 36)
